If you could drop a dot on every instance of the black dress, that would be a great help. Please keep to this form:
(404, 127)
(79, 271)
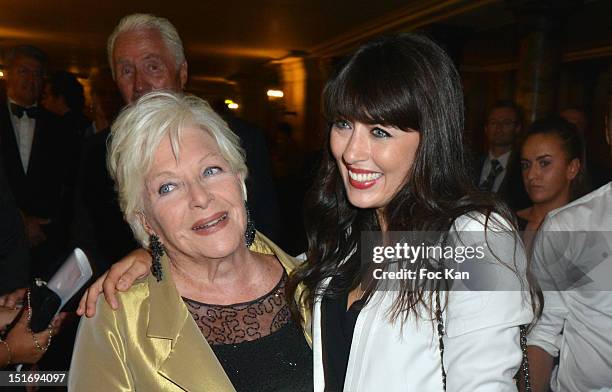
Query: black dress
(258, 344)
(337, 328)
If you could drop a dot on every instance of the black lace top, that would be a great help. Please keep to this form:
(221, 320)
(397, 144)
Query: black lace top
(258, 344)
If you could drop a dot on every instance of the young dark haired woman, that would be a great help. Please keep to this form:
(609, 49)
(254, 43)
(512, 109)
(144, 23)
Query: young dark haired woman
(552, 165)
(395, 162)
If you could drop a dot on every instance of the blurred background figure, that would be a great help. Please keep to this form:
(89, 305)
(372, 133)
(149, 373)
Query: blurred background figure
(99, 226)
(552, 156)
(595, 174)
(287, 168)
(106, 101)
(497, 170)
(63, 95)
(36, 157)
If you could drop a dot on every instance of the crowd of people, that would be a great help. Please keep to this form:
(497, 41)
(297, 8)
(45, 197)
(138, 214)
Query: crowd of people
(200, 296)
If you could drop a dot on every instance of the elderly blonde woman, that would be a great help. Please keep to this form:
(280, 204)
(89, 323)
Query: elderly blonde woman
(212, 315)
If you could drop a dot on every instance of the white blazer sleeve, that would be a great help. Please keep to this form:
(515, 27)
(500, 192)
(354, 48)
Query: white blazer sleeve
(485, 359)
(482, 346)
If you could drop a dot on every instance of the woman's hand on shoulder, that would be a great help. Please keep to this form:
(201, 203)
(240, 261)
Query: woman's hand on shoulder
(120, 277)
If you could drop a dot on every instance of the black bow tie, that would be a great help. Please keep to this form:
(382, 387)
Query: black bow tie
(19, 110)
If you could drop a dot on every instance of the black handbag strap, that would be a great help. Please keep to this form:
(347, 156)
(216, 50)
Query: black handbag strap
(523, 370)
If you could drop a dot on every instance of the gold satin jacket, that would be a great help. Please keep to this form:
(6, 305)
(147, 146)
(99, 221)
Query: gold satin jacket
(151, 343)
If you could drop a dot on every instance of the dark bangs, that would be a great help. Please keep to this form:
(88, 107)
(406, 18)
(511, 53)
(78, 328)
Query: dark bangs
(371, 88)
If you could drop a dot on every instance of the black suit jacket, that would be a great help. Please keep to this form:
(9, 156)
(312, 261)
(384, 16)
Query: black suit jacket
(263, 200)
(99, 227)
(511, 189)
(37, 192)
(14, 253)
(44, 189)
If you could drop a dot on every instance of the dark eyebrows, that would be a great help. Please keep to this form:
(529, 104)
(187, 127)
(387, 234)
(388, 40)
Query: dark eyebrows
(543, 156)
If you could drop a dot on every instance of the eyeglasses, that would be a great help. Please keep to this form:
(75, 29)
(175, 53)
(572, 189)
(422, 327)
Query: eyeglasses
(503, 123)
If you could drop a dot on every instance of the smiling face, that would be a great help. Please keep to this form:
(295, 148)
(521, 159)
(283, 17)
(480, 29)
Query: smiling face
(143, 63)
(547, 171)
(195, 204)
(374, 161)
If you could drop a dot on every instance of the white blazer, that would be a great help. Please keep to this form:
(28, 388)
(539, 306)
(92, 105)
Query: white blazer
(482, 348)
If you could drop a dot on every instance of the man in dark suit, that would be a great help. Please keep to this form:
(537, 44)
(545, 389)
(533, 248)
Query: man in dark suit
(498, 170)
(34, 156)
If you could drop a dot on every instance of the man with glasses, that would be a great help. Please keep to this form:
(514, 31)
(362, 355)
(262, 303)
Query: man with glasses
(496, 171)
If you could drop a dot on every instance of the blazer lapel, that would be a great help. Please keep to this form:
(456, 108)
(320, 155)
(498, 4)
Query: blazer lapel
(37, 148)
(191, 363)
(207, 375)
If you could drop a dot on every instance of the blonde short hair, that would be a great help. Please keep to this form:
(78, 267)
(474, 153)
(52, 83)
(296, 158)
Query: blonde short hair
(138, 22)
(137, 133)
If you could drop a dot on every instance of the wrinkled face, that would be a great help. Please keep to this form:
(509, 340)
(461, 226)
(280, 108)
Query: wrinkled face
(502, 127)
(195, 205)
(547, 171)
(374, 160)
(142, 63)
(24, 80)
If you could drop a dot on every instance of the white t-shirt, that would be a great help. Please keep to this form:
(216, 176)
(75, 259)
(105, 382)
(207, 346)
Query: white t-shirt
(572, 258)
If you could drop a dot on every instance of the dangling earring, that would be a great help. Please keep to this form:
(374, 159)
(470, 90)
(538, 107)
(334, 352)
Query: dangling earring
(249, 234)
(157, 251)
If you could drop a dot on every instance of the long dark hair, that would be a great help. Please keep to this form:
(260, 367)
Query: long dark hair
(409, 82)
(572, 143)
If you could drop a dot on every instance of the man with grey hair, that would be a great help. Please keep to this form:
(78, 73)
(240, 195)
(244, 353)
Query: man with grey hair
(146, 53)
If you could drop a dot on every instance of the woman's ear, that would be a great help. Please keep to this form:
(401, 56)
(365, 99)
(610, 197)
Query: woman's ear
(145, 224)
(573, 169)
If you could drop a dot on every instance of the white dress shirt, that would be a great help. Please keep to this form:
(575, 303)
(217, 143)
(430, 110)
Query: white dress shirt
(576, 322)
(481, 340)
(486, 168)
(24, 134)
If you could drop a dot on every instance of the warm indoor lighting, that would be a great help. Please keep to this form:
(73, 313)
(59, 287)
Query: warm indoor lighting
(228, 101)
(1, 74)
(232, 105)
(275, 94)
